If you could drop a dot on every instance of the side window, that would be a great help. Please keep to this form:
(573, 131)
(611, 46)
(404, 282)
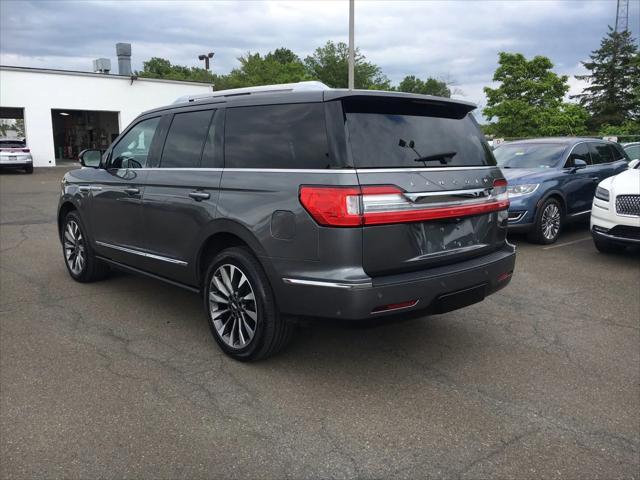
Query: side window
(212, 153)
(276, 136)
(600, 153)
(133, 149)
(617, 153)
(579, 152)
(633, 152)
(185, 139)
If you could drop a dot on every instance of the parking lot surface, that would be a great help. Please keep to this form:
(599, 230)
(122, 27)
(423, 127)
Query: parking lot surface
(121, 378)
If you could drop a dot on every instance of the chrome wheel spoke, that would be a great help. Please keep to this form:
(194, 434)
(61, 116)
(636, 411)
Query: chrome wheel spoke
(232, 305)
(74, 248)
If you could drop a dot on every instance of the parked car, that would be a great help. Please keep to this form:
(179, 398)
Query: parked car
(633, 150)
(15, 154)
(615, 216)
(553, 180)
(296, 202)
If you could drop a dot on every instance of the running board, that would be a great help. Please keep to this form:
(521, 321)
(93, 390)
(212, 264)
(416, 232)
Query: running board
(143, 273)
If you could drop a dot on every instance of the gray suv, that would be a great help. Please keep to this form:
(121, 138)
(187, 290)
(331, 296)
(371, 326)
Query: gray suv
(295, 201)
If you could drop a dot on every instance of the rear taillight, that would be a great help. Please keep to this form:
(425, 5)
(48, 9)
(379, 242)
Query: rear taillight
(388, 204)
(26, 150)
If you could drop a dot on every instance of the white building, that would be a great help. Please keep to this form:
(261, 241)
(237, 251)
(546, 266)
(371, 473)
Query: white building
(65, 112)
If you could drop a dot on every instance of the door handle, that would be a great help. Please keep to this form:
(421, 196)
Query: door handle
(199, 196)
(84, 188)
(595, 179)
(132, 191)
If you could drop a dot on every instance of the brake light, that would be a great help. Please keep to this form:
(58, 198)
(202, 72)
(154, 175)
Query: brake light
(26, 150)
(387, 204)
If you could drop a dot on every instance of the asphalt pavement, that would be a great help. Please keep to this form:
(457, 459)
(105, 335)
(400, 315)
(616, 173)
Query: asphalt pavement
(121, 378)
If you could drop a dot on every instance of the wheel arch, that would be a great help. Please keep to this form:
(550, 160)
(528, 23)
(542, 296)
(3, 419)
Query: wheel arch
(557, 195)
(66, 207)
(225, 234)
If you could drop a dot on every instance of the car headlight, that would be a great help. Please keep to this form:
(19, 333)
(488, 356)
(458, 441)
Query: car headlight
(523, 189)
(602, 194)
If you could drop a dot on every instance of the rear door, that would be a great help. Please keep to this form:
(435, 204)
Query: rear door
(427, 177)
(181, 191)
(579, 186)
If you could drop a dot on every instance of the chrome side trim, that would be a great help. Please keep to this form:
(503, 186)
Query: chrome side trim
(319, 283)
(142, 254)
(312, 170)
(580, 213)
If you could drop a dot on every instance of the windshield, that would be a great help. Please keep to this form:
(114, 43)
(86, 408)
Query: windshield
(530, 155)
(414, 136)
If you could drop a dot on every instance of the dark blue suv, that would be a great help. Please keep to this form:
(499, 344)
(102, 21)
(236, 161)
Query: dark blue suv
(553, 180)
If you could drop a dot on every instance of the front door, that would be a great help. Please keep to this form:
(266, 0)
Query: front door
(116, 207)
(579, 185)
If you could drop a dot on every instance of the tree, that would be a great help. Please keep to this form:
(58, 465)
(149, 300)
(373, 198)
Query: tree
(161, 68)
(279, 66)
(529, 99)
(329, 64)
(613, 94)
(430, 86)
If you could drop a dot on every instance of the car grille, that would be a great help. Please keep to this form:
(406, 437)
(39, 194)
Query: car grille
(625, 231)
(628, 204)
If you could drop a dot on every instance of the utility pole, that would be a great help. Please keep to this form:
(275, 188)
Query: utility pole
(206, 58)
(351, 47)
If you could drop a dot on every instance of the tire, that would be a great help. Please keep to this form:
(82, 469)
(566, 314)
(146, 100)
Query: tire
(28, 169)
(79, 257)
(604, 246)
(252, 305)
(548, 224)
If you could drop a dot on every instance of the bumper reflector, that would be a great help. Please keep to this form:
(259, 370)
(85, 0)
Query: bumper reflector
(395, 306)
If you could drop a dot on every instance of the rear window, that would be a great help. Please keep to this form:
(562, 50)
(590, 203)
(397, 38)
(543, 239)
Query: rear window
(12, 144)
(276, 136)
(529, 155)
(387, 134)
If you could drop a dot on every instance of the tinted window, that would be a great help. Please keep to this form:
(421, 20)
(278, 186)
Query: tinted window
(580, 152)
(12, 144)
(212, 153)
(600, 153)
(186, 137)
(633, 151)
(133, 149)
(618, 153)
(276, 136)
(407, 135)
(529, 155)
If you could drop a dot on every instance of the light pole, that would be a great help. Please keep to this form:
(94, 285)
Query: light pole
(206, 58)
(351, 47)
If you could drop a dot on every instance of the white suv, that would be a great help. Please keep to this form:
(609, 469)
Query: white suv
(615, 214)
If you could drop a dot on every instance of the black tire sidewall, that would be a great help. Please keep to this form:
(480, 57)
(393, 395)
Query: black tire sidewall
(241, 258)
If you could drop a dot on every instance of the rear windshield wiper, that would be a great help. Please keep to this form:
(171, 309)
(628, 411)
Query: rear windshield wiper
(443, 158)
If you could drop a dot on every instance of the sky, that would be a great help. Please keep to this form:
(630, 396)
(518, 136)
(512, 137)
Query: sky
(453, 40)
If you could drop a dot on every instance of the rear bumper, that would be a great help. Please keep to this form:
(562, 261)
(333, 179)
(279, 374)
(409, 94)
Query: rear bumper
(20, 161)
(434, 291)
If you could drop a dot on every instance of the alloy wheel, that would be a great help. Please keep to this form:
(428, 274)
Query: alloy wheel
(551, 221)
(232, 306)
(74, 248)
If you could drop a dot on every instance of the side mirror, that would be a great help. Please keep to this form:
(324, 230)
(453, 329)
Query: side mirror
(90, 157)
(634, 163)
(578, 165)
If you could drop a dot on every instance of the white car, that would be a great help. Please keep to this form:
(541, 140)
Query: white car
(14, 153)
(615, 213)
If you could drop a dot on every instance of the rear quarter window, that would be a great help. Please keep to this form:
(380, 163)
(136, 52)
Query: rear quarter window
(291, 136)
(408, 135)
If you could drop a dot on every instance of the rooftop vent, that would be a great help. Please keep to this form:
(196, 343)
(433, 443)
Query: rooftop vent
(101, 65)
(123, 50)
(263, 89)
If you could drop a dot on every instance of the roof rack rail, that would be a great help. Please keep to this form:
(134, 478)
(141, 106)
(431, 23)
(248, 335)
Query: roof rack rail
(283, 87)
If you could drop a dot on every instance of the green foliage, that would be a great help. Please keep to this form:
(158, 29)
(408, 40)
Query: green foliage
(529, 100)
(630, 127)
(279, 66)
(431, 86)
(329, 64)
(613, 94)
(162, 68)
